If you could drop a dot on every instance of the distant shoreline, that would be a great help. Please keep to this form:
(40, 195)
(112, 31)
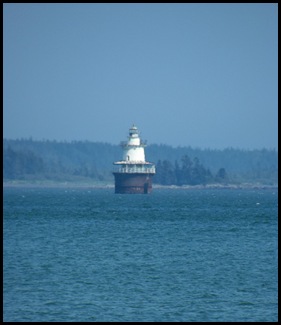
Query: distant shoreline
(218, 186)
(55, 184)
(95, 185)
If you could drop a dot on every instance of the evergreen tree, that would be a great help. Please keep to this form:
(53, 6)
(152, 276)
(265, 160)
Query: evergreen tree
(168, 173)
(186, 170)
(221, 176)
(178, 174)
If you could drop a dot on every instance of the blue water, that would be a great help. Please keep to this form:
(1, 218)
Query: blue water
(173, 255)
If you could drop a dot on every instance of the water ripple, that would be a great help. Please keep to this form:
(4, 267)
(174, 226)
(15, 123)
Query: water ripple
(169, 256)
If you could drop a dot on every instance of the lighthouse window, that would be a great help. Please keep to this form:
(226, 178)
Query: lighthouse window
(132, 131)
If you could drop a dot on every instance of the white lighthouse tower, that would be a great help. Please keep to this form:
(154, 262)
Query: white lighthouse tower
(133, 174)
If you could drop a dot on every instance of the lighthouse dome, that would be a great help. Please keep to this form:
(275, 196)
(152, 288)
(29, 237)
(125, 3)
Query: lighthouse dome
(133, 132)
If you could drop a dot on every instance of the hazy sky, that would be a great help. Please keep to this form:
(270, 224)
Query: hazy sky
(200, 75)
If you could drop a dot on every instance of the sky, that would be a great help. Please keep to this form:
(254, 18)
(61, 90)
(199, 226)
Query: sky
(199, 75)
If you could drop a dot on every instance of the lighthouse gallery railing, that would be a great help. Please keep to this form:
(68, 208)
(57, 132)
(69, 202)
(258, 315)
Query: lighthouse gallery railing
(133, 169)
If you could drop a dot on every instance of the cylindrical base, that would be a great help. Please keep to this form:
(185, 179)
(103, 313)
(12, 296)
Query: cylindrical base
(133, 183)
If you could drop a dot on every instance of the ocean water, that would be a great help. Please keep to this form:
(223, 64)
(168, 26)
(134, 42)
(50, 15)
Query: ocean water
(173, 255)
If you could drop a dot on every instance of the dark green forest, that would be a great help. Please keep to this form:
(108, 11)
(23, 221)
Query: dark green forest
(26, 159)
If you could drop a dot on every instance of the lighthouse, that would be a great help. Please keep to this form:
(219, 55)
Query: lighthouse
(133, 174)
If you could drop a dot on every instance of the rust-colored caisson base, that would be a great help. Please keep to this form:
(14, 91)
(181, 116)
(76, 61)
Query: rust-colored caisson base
(133, 183)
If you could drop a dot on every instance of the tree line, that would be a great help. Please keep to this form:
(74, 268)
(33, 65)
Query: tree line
(28, 159)
(187, 172)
